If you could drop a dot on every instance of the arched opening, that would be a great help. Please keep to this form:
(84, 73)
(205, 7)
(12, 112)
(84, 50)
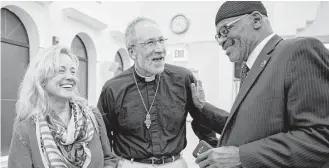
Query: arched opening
(14, 60)
(31, 28)
(78, 48)
(123, 60)
(118, 59)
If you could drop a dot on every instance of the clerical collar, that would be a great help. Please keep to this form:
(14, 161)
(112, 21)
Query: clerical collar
(147, 78)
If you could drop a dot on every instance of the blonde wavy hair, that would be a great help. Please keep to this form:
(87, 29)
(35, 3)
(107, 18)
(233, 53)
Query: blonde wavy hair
(33, 99)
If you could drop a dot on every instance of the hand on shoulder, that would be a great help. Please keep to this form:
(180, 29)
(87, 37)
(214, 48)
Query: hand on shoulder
(198, 95)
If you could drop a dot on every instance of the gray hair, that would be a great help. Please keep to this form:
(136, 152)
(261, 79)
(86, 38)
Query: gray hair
(130, 36)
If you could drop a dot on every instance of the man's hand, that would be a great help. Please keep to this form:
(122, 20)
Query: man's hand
(198, 96)
(222, 157)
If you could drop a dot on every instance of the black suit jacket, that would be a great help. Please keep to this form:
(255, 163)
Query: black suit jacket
(280, 117)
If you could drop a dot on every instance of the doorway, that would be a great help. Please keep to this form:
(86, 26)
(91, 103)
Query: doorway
(14, 61)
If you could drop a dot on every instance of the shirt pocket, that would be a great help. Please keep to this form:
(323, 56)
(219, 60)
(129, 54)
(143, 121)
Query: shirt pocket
(172, 117)
(131, 117)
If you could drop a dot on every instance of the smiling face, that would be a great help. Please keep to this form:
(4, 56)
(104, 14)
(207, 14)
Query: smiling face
(239, 41)
(148, 52)
(62, 84)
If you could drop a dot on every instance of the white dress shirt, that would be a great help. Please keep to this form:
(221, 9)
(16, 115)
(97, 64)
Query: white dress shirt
(254, 54)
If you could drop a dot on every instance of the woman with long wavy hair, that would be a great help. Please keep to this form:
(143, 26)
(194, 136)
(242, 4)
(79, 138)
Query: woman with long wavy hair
(54, 126)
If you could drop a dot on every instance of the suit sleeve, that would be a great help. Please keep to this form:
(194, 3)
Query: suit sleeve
(213, 118)
(202, 132)
(105, 106)
(20, 153)
(306, 142)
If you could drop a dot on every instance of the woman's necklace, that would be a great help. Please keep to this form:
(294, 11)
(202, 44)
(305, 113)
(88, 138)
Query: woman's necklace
(148, 116)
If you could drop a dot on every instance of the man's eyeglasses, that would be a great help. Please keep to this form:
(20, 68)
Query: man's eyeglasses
(226, 28)
(153, 42)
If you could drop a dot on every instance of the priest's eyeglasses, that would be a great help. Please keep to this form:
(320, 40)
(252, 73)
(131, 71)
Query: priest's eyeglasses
(153, 42)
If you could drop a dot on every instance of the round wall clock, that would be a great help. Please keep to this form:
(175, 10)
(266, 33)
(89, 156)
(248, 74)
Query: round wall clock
(179, 24)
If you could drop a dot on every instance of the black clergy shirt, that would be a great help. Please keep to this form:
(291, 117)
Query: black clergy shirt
(124, 113)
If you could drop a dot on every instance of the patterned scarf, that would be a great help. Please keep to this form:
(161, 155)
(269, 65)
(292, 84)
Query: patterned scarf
(67, 147)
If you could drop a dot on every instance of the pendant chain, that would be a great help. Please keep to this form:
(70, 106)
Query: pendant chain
(148, 119)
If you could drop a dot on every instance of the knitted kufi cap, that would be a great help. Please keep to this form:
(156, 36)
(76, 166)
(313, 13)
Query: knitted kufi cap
(231, 9)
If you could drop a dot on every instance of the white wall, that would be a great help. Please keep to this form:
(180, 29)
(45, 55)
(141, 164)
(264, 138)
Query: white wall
(287, 16)
(119, 13)
(200, 13)
(215, 70)
(49, 20)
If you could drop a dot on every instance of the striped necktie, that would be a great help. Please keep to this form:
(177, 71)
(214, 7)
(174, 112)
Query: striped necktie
(243, 73)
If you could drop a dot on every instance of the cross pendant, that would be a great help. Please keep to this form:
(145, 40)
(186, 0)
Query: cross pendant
(148, 120)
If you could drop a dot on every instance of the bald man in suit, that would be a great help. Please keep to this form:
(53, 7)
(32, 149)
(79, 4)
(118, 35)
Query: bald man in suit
(280, 117)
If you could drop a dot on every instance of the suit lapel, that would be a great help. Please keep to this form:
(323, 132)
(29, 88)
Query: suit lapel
(257, 68)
